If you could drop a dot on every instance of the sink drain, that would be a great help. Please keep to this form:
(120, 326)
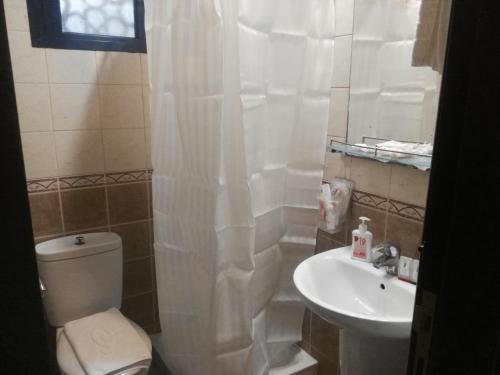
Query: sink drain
(382, 286)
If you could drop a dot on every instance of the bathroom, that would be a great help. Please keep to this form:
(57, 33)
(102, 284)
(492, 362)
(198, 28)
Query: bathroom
(146, 140)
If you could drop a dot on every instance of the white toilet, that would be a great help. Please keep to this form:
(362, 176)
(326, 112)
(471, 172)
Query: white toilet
(82, 276)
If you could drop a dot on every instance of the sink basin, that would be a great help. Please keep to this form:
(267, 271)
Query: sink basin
(374, 310)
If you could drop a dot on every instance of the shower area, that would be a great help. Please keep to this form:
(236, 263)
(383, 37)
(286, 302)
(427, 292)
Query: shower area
(240, 97)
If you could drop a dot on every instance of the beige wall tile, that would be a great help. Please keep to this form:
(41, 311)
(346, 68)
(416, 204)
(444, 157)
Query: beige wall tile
(405, 233)
(147, 105)
(127, 202)
(326, 366)
(84, 208)
(325, 337)
(149, 163)
(119, 67)
(370, 176)
(135, 237)
(326, 241)
(28, 63)
(140, 309)
(344, 16)
(306, 331)
(45, 214)
(33, 106)
(409, 185)
(335, 165)
(339, 108)
(137, 277)
(145, 69)
(39, 154)
(75, 106)
(124, 149)
(16, 15)
(121, 106)
(71, 66)
(342, 61)
(79, 152)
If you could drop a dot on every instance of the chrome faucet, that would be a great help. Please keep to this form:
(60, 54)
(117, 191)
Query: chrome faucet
(387, 255)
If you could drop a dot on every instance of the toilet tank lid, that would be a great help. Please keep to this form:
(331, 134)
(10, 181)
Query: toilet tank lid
(72, 247)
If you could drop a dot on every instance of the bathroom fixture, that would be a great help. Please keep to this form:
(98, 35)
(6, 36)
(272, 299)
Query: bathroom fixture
(373, 310)
(83, 276)
(387, 256)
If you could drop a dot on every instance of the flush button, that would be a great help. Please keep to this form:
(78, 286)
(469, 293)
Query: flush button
(79, 240)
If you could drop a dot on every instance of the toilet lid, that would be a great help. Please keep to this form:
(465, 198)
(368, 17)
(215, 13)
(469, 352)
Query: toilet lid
(68, 362)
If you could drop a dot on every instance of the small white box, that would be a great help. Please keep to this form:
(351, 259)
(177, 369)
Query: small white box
(415, 264)
(404, 268)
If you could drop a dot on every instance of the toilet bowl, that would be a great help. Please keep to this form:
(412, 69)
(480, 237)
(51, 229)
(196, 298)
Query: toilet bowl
(82, 276)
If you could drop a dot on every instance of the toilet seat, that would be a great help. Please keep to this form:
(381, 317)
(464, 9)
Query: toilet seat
(69, 365)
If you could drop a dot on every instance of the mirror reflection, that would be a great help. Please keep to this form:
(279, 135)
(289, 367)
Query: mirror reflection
(397, 60)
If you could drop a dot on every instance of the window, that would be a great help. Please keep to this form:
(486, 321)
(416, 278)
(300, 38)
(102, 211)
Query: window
(96, 25)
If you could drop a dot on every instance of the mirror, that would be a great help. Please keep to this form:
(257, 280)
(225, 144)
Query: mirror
(390, 98)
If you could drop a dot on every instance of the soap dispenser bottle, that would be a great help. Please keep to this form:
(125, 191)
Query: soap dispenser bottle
(362, 241)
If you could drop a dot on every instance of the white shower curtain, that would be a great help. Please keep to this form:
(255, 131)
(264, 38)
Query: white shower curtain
(240, 99)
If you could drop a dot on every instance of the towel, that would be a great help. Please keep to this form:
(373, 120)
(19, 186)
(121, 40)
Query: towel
(106, 343)
(432, 33)
(395, 149)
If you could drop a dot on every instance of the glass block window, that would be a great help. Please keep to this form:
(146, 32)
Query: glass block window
(99, 17)
(97, 25)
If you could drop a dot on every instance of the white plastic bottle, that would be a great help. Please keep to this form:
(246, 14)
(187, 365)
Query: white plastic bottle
(362, 241)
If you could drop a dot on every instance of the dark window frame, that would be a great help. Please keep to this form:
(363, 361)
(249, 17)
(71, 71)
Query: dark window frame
(46, 31)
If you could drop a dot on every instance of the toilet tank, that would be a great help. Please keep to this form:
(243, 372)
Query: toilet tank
(82, 275)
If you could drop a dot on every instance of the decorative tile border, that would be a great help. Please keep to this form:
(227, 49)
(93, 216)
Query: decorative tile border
(81, 181)
(71, 182)
(40, 185)
(370, 200)
(74, 182)
(407, 210)
(130, 176)
(402, 209)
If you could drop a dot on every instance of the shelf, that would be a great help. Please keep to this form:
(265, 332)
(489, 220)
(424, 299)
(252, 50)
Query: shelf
(422, 162)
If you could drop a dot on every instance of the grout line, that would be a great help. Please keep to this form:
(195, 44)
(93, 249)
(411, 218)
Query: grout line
(341, 35)
(58, 167)
(59, 194)
(136, 259)
(130, 222)
(386, 222)
(93, 83)
(106, 202)
(310, 329)
(103, 148)
(137, 295)
(86, 230)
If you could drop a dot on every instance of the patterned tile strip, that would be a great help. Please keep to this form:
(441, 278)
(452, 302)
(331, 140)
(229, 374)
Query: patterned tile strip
(72, 182)
(360, 197)
(395, 207)
(131, 176)
(407, 210)
(370, 200)
(81, 181)
(40, 185)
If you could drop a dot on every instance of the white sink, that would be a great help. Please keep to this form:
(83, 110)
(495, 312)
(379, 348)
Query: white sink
(373, 310)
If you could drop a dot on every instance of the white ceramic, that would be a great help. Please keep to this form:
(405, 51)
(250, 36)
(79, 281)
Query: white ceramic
(81, 278)
(374, 310)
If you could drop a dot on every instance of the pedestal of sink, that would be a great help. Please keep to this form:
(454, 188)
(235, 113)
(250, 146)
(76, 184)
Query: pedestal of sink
(365, 355)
